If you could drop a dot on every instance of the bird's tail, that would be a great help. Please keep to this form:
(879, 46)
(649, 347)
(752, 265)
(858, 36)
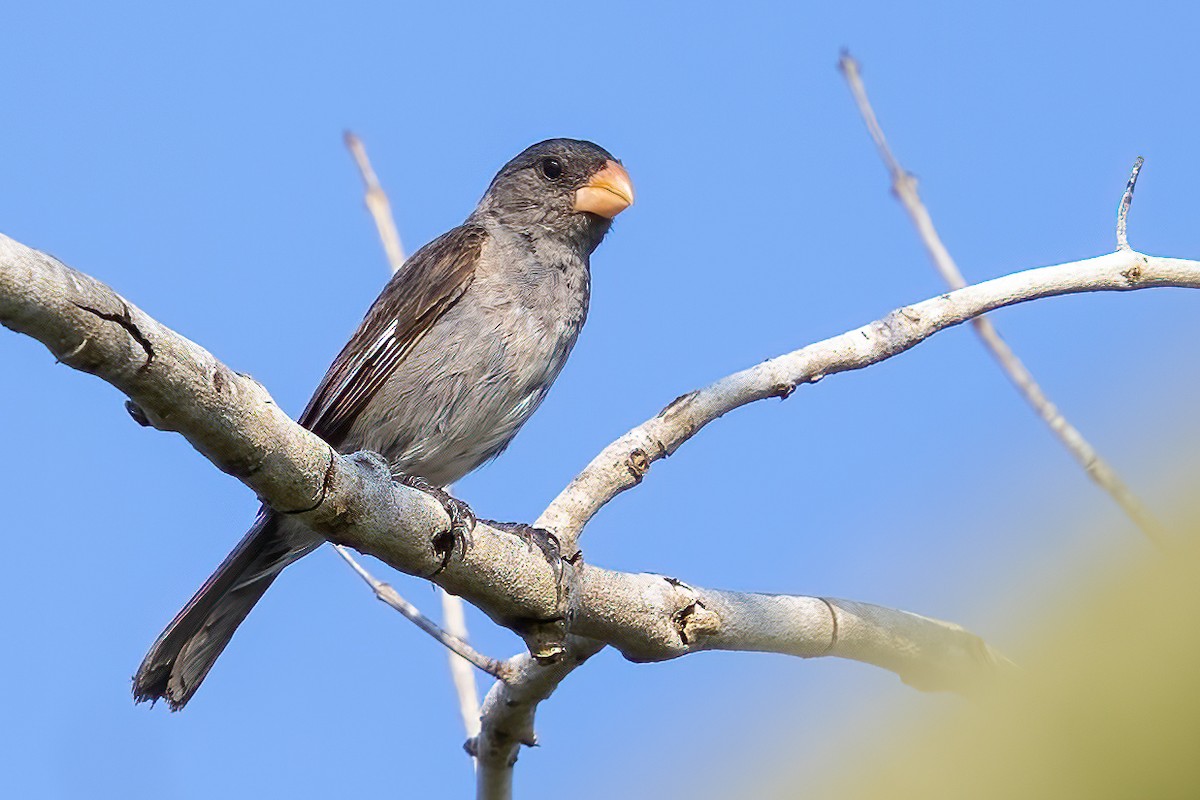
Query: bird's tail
(190, 645)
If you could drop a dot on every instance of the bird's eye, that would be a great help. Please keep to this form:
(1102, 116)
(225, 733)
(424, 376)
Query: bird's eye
(551, 168)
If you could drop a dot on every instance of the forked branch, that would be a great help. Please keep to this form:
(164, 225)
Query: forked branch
(352, 500)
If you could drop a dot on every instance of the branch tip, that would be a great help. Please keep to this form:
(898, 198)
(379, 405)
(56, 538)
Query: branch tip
(1126, 202)
(377, 202)
(904, 187)
(850, 69)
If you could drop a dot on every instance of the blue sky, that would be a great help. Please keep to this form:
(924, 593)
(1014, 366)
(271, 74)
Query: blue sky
(192, 158)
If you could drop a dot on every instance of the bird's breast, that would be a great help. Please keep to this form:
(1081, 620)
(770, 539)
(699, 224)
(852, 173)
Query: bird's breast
(482, 369)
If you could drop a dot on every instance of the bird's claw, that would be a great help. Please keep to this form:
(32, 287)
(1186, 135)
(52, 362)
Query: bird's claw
(546, 638)
(543, 540)
(462, 520)
(540, 538)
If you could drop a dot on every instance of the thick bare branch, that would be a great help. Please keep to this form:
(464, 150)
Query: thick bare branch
(353, 501)
(904, 186)
(350, 499)
(508, 713)
(232, 421)
(672, 619)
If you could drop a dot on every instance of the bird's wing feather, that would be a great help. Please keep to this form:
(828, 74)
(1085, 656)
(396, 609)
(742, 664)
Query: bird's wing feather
(428, 285)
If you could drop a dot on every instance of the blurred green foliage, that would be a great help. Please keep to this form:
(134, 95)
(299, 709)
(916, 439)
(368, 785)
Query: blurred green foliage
(1107, 705)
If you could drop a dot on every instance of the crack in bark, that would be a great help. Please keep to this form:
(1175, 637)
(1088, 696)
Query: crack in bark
(326, 485)
(125, 320)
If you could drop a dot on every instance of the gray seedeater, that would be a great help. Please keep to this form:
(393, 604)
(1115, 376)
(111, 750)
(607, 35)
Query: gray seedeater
(454, 356)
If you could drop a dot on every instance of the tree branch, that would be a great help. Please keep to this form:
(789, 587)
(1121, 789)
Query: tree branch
(904, 187)
(625, 462)
(377, 202)
(672, 619)
(508, 713)
(232, 421)
(460, 651)
(1126, 202)
(352, 500)
(461, 674)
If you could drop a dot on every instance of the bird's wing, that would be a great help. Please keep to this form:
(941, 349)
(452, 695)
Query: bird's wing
(428, 284)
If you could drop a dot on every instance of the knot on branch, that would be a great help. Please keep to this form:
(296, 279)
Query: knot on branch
(499, 745)
(638, 464)
(784, 390)
(693, 621)
(696, 622)
(676, 415)
(546, 641)
(677, 405)
(1133, 275)
(138, 414)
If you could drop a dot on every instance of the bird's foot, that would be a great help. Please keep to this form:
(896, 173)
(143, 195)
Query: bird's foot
(543, 540)
(462, 520)
(546, 638)
(540, 538)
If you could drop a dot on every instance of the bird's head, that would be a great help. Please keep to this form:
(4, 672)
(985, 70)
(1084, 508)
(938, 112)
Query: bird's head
(563, 187)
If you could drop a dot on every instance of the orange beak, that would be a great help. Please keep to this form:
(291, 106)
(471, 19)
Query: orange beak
(607, 193)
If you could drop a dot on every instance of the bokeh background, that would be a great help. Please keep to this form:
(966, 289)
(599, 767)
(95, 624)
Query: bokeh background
(192, 158)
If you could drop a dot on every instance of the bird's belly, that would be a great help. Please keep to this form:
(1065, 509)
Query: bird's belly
(462, 394)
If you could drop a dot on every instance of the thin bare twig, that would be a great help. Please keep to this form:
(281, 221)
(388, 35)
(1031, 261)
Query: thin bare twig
(452, 605)
(904, 186)
(387, 594)
(1126, 202)
(460, 672)
(377, 203)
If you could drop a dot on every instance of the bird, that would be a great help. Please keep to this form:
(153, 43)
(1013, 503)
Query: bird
(451, 359)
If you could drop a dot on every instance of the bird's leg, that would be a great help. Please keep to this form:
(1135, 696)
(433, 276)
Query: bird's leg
(462, 519)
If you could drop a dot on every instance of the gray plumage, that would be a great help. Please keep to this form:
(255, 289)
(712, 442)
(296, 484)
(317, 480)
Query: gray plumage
(457, 352)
